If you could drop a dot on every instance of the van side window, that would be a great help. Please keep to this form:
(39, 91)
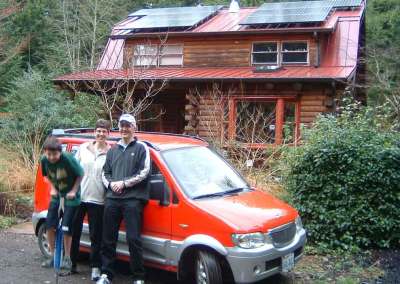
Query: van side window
(155, 171)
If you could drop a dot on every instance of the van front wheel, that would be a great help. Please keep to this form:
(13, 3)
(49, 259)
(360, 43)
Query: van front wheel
(43, 241)
(208, 269)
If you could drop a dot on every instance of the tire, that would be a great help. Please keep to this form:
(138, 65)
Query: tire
(43, 241)
(207, 269)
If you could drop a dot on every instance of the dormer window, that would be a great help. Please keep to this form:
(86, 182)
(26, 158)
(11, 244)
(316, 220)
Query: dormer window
(265, 53)
(279, 53)
(171, 54)
(145, 55)
(158, 55)
(294, 53)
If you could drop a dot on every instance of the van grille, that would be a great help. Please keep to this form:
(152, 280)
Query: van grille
(283, 235)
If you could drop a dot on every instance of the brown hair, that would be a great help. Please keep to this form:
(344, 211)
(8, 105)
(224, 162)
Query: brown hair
(102, 123)
(52, 144)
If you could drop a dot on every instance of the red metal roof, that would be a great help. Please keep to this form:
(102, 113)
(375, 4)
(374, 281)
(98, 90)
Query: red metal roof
(216, 73)
(342, 46)
(226, 22)
(339, 60)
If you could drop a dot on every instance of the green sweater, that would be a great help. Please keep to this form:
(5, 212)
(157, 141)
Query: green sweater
(63, 175)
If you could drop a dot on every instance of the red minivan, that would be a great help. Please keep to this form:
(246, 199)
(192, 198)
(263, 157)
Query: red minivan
(203, 220)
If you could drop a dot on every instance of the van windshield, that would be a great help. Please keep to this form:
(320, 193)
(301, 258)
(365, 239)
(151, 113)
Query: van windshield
(202, 173)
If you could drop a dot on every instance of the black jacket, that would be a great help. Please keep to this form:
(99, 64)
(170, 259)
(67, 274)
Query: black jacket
(131, 165)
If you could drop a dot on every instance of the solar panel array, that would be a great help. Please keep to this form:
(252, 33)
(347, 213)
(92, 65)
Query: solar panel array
(175, 10)
(179, 17)
(345, 3)
(296, 12)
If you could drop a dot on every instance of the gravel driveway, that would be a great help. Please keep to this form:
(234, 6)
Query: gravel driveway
(20, 260)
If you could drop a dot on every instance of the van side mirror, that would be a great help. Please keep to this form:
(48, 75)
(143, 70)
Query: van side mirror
(158, 189)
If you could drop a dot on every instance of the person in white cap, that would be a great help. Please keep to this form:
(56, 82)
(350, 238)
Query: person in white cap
(125, 174)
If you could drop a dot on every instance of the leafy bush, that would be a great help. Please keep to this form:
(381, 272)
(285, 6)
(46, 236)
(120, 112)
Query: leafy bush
(345, 181)
(35, 108)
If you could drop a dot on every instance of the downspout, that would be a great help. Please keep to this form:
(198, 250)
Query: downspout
(334, 96)
(318, 49)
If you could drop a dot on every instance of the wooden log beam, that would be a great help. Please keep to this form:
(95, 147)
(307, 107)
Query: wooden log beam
(280, 119)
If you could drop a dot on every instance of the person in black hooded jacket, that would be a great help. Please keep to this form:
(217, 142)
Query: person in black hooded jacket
(125, 176)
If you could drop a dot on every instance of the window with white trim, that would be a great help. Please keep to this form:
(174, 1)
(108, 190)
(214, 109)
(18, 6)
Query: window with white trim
(294, 52)
(265, 53)
(158, 55)
(171, 54)
(145, 55)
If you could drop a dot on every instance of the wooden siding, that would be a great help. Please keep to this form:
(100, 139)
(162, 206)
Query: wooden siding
(312, 104)
(227, 53)
(211, 123)
(223, 52)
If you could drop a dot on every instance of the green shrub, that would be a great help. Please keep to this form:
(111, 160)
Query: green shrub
(345, 181)
(6, 222)
(35, 108)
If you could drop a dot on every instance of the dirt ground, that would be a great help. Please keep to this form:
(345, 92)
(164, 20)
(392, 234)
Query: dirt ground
(20, 260)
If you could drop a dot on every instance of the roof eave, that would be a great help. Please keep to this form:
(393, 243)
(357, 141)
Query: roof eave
(241, 32)
(303, 79)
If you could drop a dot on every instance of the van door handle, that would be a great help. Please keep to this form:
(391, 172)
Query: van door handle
(184, 226)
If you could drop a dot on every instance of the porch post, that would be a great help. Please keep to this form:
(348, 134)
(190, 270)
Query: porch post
(232, 119)
(297, 124)
(280, 119)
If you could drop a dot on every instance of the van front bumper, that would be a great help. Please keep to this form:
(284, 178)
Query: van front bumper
(251, 265)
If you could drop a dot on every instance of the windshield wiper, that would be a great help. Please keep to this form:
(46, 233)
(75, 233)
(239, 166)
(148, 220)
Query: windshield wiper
(209, 195)
(234, 190)
(226, 192)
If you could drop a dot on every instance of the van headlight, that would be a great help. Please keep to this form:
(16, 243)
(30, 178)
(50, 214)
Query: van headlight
(299, 224)
(249, 241)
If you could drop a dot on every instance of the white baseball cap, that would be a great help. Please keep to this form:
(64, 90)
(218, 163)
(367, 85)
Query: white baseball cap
(128, 118)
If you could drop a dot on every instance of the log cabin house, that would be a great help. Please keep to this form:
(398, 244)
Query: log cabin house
(269, 69)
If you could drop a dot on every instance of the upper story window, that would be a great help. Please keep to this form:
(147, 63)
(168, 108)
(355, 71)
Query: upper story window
(294, 52)
(158, 55)
(278, 53)
(145, 55)
(171, 54)
(265, 53)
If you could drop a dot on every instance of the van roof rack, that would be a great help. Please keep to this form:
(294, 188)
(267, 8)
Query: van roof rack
(79, 132)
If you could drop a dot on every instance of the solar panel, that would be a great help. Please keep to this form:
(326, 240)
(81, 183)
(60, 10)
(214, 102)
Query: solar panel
(288, 15)
(345, 3)
(178, 17)
(176, 10)
(295, 4)
(296, 12)
(167, 21)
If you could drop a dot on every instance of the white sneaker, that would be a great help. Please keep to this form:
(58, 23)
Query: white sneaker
(138, 282)
(103, 279)
(95, 274)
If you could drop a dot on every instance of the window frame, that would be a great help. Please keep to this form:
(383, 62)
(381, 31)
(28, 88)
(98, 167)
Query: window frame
(170, 54)
(279, 118)
(279, 57)
(145, 55)
(259, 52)
(158, 56)
(307, 62)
